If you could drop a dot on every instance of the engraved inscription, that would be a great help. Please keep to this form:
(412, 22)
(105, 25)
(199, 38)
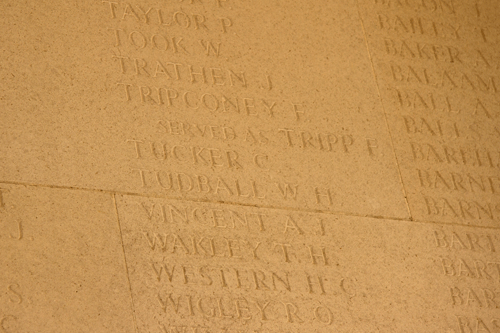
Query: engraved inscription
(469, 324)
(14, 294)
(470, 262)
(189, 68)
(8, 323)
(438, 79)
(227, 264)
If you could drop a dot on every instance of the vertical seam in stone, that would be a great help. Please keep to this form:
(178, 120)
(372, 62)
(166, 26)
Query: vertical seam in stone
(125, 261)
(385, 113)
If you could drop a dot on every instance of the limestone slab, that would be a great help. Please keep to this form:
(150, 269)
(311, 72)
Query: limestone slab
(227, 166)
(256, 103)
(205, 267)
(436, 64)
(62, 266)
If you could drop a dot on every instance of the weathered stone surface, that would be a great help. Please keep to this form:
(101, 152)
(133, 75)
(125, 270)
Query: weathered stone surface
(254, 103)
(436, 64)
(228, 166)
(62, 266)
(227, 268)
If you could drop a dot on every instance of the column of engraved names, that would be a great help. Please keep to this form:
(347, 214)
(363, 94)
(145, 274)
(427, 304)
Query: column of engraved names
(437, 68)
(224, 124)
(189, 73)
(444, 278)
(469, 261)
(222, 268)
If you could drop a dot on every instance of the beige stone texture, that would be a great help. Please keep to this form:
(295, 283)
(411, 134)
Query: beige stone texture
(62, 266)
(101, 96)
(223, 268)
(437, 69)
(228, 166)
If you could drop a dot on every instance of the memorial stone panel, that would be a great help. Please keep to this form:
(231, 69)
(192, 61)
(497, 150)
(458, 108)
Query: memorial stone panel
(62, 266)
(251, 102)
(206, 267)
(228, 166)
(436, 64)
